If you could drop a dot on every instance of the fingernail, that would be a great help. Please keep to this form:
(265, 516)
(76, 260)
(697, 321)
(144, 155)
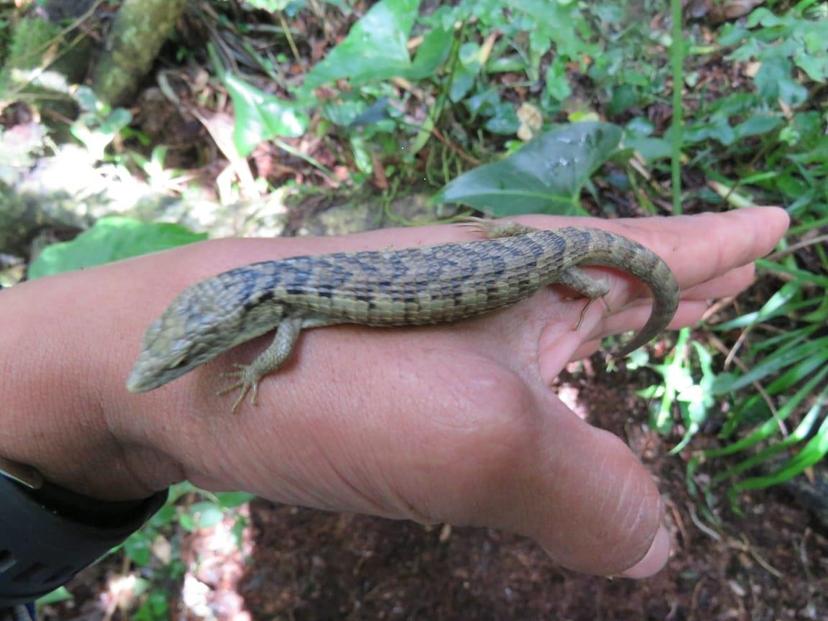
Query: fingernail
(655, 559)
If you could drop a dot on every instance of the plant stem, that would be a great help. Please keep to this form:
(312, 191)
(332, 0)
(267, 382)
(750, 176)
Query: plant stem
(676, 130)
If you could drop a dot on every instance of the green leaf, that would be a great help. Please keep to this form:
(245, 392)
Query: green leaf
(731, 34)
(138, 549)
(771, 426)
(717, 128)
(813, 452)
(375, 48)
(470, 63)
(545, 176)
(206, 514)
(557, 83)
(651, 149)
(60, 594)
(229, 500)
(774, 81)
(776, 362)
(506, 64)
(268, 5)
(362, 154)
(815, 66)
(111, 239)
(155, 608)
(344, 112)
(778, 303)
(483, 103)
(187, 522)
(800, 433)
(504, 120)
(757, 125)
(432, 53)
(563, 24)
(624, 97)
(261, 116)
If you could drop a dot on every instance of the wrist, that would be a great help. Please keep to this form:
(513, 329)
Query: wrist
(56, 415)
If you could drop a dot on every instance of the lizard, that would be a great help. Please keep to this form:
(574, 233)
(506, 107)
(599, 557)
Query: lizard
(385, 288)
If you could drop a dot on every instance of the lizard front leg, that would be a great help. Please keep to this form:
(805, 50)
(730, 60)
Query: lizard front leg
(249, 375)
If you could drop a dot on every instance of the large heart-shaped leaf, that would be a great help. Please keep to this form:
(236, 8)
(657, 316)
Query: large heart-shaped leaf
(261, 116)
(375, 48)
(545, 176)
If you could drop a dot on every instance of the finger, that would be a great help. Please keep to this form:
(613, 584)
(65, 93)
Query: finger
(586, 349)
(694, 303)
(699, 247)
(732, 283)
(635, 317)
(559, 344)
(582, 494)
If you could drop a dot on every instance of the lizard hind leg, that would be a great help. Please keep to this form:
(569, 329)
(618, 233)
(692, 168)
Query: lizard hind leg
(588, 286)
(248, 376)
(492, 229)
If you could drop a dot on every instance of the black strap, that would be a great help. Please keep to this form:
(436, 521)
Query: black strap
(49, 534)
(18, 613)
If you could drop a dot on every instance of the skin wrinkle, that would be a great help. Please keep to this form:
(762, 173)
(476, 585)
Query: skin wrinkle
(527, 364)
(305, 457)
(292, 489)
(503, 437)
(489, 474)
(369, 504)
(688, 313)
(332, 415)
(620, 508)
(362, 469)
(718, 260)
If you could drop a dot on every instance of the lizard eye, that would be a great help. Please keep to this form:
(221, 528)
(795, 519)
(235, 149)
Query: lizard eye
(178, 363)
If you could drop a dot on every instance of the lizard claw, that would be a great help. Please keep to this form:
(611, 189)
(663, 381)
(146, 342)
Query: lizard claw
(480, 226)
(246, 382)
(586, 308)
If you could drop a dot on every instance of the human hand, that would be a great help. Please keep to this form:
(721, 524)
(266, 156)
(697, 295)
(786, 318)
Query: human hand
(451, 423)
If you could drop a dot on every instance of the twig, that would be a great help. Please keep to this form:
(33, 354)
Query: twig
(701, 525)
(289, 36)
(460, 152)
(797, 246)
(743, 367)
(718, 306)
(737, 346)
(744, 546)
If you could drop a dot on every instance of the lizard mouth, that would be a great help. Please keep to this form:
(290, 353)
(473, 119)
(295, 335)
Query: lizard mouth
(140, 380)
(137, 383)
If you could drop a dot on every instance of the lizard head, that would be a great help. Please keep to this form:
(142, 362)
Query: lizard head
(169, 351)
(189, 333)
(205, 320)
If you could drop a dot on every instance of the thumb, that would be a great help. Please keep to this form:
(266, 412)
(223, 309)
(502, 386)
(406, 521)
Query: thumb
(587, 500)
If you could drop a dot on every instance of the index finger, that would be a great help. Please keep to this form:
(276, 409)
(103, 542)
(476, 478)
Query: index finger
(698, 247)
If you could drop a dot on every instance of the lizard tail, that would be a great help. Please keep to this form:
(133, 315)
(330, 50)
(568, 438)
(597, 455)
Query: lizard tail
(628, 256)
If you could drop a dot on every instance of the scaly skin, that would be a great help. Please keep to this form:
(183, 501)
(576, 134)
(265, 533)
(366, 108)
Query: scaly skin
(409, 287)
